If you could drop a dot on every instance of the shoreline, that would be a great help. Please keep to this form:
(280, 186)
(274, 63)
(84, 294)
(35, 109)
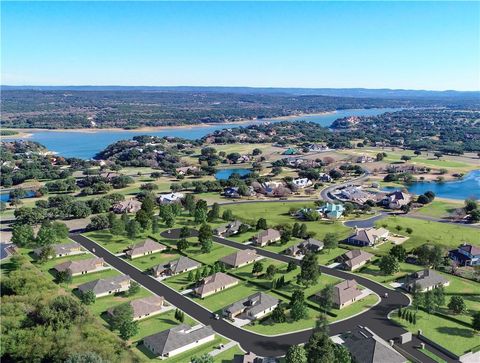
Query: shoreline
(26, 133)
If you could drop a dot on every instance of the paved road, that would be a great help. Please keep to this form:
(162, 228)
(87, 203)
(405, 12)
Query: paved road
(375, 318)
(365, 223)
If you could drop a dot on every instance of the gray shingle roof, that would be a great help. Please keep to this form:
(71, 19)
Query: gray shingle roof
(425, 279)
(62, 248)
(146, 305)
(253, 304)
(215, 282)
(354, 257)
(240, 257)
(145, 246)
(176, 266)
(169, 340)
(104, 285)
(80, 265)
(367, 347)
(345, 291)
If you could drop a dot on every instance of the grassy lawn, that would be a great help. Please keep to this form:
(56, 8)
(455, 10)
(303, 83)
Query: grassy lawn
(372, 271)
(179, 282)
(114, 244)
(326, 257)
(217, 252)
(103, 303)
(468, 290)
(435, 357)
(439, 209)
(446, 235)
(455, 337)
(228, 355)
(147, 262)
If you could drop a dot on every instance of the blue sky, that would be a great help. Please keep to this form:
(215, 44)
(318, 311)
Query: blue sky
(428, 45)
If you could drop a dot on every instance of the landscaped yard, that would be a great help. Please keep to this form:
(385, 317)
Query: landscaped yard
(228, 355)
(372, 271)
(455, 337)
(439, 209)
(147, 262)
(114, 244)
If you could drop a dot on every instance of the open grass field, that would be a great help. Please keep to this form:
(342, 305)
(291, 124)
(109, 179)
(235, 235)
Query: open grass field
(439, 208)
(372, 271)
(456, 338)
(445, 235)
(145, 263)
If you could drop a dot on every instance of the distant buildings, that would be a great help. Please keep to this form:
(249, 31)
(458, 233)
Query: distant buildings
(147, 247)
(266, 237)
(290, 151)
(364, 159)
(368, 237)
(107, 286)
(253, 307)
(466, 255)
(127, 206)
(354, 194)
(178, 339)
(424, 280)
(354, 259)
(215, 283)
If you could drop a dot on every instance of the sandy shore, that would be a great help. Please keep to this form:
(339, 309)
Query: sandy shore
(25, 133)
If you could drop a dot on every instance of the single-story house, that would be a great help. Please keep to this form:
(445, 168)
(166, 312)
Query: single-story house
(232, 192)
(424, 280)
(466, 255)
(355, 259)
(253, 307)
(186, 170)
(144, 248)
(170, 198)
(248, 357)
(368, 236)
(240, 258)
(178, 339)
(267, 236)
(63, 249)
(309, 245)
(82, 267)
(331, 210)
(324, 177)
(228, 229)
(144, 307)
(127, 206)
(367, 347)
(345, 293)
(215, 283)
(302, 182)
(107, 286)
(175, 267)
(290, 151)
(396, 199)
(364, 159)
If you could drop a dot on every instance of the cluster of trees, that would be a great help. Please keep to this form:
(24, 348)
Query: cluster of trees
(121, 319)
(200, 274)
(426, 197)
(50, 326)
(472, 210)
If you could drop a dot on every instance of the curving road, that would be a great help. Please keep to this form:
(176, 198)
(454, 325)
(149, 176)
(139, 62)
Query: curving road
(375, 318)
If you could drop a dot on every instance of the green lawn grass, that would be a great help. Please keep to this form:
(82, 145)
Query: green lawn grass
(145, 263)
(455, 337)
(158, 323)
(114, 244)
(228, 355)
(372, 271)
(439, 209)
(445, 235)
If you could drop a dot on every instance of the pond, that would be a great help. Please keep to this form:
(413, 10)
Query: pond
(467, 187)
(5, 196)
(224, 174)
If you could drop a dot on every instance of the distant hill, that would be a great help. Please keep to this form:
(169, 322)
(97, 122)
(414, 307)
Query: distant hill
(384, 93)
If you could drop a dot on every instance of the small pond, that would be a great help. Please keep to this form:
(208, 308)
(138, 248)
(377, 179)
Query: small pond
(224, 174)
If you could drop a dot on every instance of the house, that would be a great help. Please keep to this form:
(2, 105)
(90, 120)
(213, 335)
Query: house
(175, 267)
(367, 347)
(253, 307)
(215, 283)
(63, 249)
(248, 357)
(466, 255)
(186, 170)
(240, 258)
(331, 211)
(109, 175)
(127, 206)
(107, 286)
(368, 236)
(290, 151)
(318, 148)
(144, 248)
(309, 245)
(232, 192)
(178, 339)
(345, 293)
(364, 159)
(144, 307)
(355, 194)
(8, 250)
(170, 198)
(324, 177)
(228, 229)
(354, 259)
(267, 236)
(302, 182)
(82, 267)
(396, 199)
(424, 280)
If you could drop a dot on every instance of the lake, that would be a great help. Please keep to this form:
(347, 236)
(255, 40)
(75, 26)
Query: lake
(467, 187)
(5, 197)
(224, 174)
(85, 145)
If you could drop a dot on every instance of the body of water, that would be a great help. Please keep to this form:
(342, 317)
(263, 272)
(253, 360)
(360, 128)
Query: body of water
(467, 187)
(224, 174)
(85, 145)
(5, 197)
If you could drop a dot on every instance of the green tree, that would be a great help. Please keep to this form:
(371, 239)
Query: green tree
(200, 214)
(205, 238)
(399, 252)
(319, 348)
(285, 236)
(476, 321)
(330, 241)
(85, 357)
(191, 276)
(128, 329)
(292, 266)
(143, 219)
(204, 358)
(117, 226)
(214, 213)
(182, 244)
(46, 235)
(120, 314)
(155, 225)
(278, 314)
(271, 271)
(295, 354)
(257, 268)
(298, 308)
(134, 288)
(133, 229)
(88, 297)
(184, 232)
(389, 265)
(439, 296)
(325, 298)
(309, 270)
(227, 215)
(341, 353)
(457, 305)
(148, 206)
(189, 203)
(261, 224)
(22, 235)
(64, 276)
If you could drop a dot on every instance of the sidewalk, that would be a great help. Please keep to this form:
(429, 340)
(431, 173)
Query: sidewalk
(227, 346)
